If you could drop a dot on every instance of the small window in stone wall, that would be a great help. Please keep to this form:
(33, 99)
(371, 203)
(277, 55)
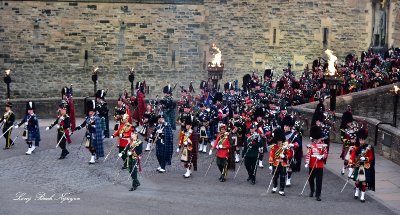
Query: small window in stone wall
(274, 37)
(325, 38)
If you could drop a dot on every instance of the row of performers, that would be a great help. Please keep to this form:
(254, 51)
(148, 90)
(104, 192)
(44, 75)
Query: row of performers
(284, 156)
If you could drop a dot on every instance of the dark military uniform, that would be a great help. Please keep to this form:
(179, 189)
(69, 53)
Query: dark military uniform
(8, 120)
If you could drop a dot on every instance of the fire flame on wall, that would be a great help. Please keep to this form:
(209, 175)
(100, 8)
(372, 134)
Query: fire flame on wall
(216, 61)
(331, 62)
(396, 89)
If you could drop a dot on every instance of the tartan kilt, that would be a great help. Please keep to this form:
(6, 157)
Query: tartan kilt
(103, 123)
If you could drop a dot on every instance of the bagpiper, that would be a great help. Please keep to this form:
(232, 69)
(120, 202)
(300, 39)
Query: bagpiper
(163, 137)
(8, 120)
(188, 146)
(63, 124)
(149, 122)
(237, 129)
(134, 151)
(31, 130)
(223, 146)
(348, 137)
(251, 151)
(124, 134)
(203, 117)
(279, 157)
(363, 160)
(67, 98)
(168, 106)
(102, 112)
(119, 112)
(294, 141)
(94, 132)
(316, 154)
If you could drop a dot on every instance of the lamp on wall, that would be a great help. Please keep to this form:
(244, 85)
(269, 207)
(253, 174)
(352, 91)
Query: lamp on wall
(7, 80)
(395, 91)
(131, 78)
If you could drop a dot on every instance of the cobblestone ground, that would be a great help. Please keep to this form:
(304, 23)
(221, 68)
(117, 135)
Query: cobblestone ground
(100, 191)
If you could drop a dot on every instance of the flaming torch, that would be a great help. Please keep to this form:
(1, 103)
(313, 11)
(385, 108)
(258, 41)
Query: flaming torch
(333, 79)
(215, 67)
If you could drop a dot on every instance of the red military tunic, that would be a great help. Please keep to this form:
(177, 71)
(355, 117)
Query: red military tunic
(124, 133)
(276, 151)
(356, 155)
(223, 145)
(313, 151)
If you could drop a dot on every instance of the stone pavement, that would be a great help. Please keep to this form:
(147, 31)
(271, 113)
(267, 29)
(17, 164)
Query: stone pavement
(387, 177)
(94, 189)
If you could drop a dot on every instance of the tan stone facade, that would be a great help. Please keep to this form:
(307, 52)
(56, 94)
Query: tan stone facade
(170, 43)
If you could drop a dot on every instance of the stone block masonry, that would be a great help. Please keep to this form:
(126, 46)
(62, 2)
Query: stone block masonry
(169, 41)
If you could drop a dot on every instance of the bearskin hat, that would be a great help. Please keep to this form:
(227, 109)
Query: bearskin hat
(246, 81)
(320, 107)
(188, 120)
(90, 106)
(218, 97)
(279, 135)
(64, 91)
(201, 105)
(253, 126)
(203, 85)
(288, 120)
(347, 117)
(167, 89)
(63, 104)
(268, 73)
(280, 85)
(316, 132)
(140, 86)
(318, 116)
(100, 94)
(259, 112)
(362, 134)
(30, 105)
(9, 104)
(295, 85)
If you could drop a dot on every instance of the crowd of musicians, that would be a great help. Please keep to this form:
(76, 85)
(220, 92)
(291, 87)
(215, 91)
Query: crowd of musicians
(248, 125)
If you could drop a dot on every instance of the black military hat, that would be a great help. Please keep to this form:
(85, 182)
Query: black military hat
(259, 112)
(347, 117)
(228, 86)
(30, 105)
(63, 104)
(201, 105)
(9, 104)
(203, 85)
(316, 132)
(161, 114)
(140, 86)
(90, 106)
(362, 134)
(218, 97)
(120, 98)
(288, 120)
(167, 89)
(100, 94)
(188, 120)
(268, 73)
(64, 91)
(320, 107)
(295, 85)
(279, 135)
(253, 126)
(318, 116)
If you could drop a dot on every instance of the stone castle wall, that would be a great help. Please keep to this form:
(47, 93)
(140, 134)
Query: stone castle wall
(170, 43)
